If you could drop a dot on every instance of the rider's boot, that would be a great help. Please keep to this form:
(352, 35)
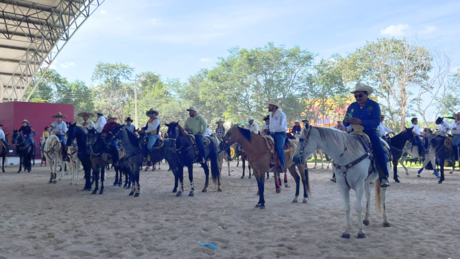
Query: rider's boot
(64, 155)
(384, 182)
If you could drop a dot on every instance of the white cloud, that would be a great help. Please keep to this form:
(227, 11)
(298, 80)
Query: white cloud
(428, 30)
(67, 64)
(205, 59)
(395, 30)
(103, 12)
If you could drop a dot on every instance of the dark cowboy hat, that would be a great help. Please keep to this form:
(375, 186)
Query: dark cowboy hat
(59, 115)
(438, 120)
(152, 111)
(1, 125)
(128, 119)
(267, 118)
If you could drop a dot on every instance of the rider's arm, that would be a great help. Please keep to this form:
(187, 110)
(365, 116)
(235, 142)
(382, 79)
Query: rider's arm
(203, 124)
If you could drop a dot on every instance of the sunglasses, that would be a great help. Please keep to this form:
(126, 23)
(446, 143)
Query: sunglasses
(359, 96)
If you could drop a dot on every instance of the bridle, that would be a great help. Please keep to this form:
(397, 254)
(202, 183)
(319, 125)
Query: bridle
(52, 151)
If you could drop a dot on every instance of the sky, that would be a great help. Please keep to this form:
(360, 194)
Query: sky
(178, 38)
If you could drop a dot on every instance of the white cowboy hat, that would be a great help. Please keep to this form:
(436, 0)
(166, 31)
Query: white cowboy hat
(192, 109)
(296, 121)
(359, 87)
(250, 118)
(110, 117)
(26, 121)
(273, 103)
(81, 114)
(59, 115)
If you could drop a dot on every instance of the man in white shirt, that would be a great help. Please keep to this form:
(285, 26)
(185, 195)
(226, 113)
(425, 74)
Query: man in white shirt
(455, 126)
(207, 133)
(383, 128)
(3, 138)
(59, 128)
(443, 127)
(101, 121)
(418, 138)
(253, 126)
(153, 128)
(278, 128)
(87, 123)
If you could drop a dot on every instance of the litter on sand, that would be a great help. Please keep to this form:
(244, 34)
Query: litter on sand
(210, 245)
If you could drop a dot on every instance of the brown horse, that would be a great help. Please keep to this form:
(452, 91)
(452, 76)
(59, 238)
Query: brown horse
(260, 157)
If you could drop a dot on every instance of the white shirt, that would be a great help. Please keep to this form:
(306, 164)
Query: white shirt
(62, 127)
(87, 125)
(278, 122)
(207, 133)
(100, 123)
(2, 135)
(383, 129)
(455, 124)
(152, 126)
(444, 126)
(254, 127)
(416, 129)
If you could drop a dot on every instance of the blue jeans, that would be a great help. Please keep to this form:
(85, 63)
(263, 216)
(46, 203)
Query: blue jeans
(152, 140)
(200, 145)
(455, 144)
(280, 138)
(379, 152)
(421, 149)
(6, 145)
(62, 139)
(31, 139)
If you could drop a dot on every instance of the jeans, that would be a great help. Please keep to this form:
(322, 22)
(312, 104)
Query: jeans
(456, 144)
(421, 149)
(280, 138)
(62, 139)
(6, 145)
(200, 145)
(31, 139)
(379, 152)
(152, 140)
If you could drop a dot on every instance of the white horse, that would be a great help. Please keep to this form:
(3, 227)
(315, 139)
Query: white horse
(351, 167)
(74, 161)
(53, 154)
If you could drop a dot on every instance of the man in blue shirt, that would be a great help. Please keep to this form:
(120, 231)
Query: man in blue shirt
(366, 112)
(128, 124)
(59, 128)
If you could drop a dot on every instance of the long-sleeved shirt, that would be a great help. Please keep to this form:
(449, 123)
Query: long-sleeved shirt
(100, 123)
(2, 135)
(383, 129)
(25, 130)
(369, 114)
(254, 127)
(455, 127)
(197, 124)
(153, 126)
(130, 127)
(220, 131)
(416, 129)
(62, 127)
(89, 124)
(278, 122)
(444, 127)
(207, 133)
(109, 126)
(340, 127)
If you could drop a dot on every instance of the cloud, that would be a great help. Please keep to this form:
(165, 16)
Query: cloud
(395, 30)
(428, 30)
(103, 12)
(67, 64)
(205, 59)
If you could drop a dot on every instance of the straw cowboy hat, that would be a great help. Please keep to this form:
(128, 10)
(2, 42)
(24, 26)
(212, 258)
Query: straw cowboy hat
(359, 87)
(152, 111)
(81, 114)
(250, 118)
(220, 120)
(274, 103)
(111, 117)
(296, 121)
(191, 109)
(59, 115)
(26, 121)
(128, 119)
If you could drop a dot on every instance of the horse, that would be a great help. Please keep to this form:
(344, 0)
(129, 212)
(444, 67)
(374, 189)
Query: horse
(25, 150)
(3, 153)
(99, 154)
(319, 153)
(397, 144)
(74, 161)
(185, 150)
(42, 154)
(441, 152)
(352, 168)
(260, 156)
(77, 133)
(239, 152)
(53, 153)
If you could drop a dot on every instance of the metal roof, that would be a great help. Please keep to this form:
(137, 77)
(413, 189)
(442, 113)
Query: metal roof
(32, 33)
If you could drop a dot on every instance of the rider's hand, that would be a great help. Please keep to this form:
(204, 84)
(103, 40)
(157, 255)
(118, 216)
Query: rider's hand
(57, 132)
(356, 121)
(346, 120)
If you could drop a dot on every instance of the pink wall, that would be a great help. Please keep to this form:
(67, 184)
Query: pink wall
(38, 114)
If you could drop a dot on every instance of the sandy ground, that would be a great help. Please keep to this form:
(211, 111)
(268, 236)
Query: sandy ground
(39, 220)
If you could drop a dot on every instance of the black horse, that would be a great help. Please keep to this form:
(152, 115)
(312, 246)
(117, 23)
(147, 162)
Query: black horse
(3, 154)
(25, 150)
(99, 153)
(186, 153)
(442, 153)
(75, 132)
(397, 144)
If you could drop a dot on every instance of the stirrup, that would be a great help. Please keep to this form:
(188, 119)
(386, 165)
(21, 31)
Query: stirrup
(384, 183)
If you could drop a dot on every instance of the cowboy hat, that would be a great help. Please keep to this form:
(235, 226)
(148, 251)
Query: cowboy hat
(26, 121)
(250, 118)
(191, 109)
(152, 111)
(296, 121)
(359, 87)
(1, 125)
(438, 120)
(81, 114)
(98, 112)
(59, 115)
(110, 117)
(128, 119)
(273, 103)
(220, 120)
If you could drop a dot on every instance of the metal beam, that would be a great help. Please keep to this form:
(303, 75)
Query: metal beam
(25, 19)
(21, 48)
(7, 74)
(29, 5)
(10, 60)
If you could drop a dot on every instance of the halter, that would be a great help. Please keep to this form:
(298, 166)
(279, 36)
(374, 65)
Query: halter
(52, 148)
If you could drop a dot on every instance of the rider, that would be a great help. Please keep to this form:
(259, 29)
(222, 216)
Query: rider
(383, 130)
(3, 138)
(220, 133)
(197, 125)
(59, 128)
(27, 131)
(101, 121)
(128, 124)
(296, 129)
(418, 136)
(111, 124)
(208, 131)
(253, 126)
(456, 134)
(87, 123)
(153, 128)
(266, 127)
(366, 112)
(443, 127)
(340, 126)
(278, 128)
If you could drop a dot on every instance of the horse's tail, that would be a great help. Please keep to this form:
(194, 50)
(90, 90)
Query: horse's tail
(378, 200)
(213, 153)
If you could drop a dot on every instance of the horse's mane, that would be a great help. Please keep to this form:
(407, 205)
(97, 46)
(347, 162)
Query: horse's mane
(245, 132)
(339, 139)
(132, 138)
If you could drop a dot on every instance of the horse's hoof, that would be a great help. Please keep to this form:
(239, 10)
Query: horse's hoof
(119, 185)
(257, 206)
(262, 207)
(54, 182)
(242, 177)
(219, 189)
(179, 194)
(204, 190)
(94, 192)
(286, 186)
(361, 235)
(115, 184)
(136, 195)
(451, 172)
(131, 193)
(278, 190)
(101, 192)
(70, 183)
(397, 181)
(386, 225)
(346, 235)
(174, 191)
(366, 222)
(191, 194)
(249, 177)
(439, 182)
(418, 175)
(294, 201)
(333, 180)
(305, 200)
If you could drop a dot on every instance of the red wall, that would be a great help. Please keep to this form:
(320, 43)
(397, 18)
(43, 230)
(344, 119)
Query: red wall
(39, 115)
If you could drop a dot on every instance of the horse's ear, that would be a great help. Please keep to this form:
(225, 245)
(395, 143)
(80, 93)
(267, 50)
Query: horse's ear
(167, 124)
(75, 123)
(177, 122)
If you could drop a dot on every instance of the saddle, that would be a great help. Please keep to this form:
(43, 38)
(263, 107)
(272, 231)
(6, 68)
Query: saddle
(448, 143)
(206, 141)
(158, 144)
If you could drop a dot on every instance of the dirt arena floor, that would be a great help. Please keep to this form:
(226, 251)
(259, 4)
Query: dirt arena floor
(41, 220)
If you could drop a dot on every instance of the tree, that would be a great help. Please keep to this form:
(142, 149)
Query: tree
(451, 102)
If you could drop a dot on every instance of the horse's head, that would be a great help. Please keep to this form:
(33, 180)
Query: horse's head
(308, 144)
(91, 136)
(173, 129)
(234, 135)
(117, 133)
(16, 137)
(71, 133)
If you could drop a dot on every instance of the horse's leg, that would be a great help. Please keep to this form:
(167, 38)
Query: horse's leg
(249, 170)
(180, 172)
(51, 172)
(4, 158)
(190, 177)
(345, 192)
(367, 191)
(243, 160)
(441, 164)
(297, 182)
(228, 166)
(206, 173)
(176, 179)
(219, 187)
(59, 158)
(359, 207)
(395, 169)
(96, 177)
(102, 180)
(286, 185)
(20, 163)
(116, 177)
(277, 182)
(402, 160)
(321, 156)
